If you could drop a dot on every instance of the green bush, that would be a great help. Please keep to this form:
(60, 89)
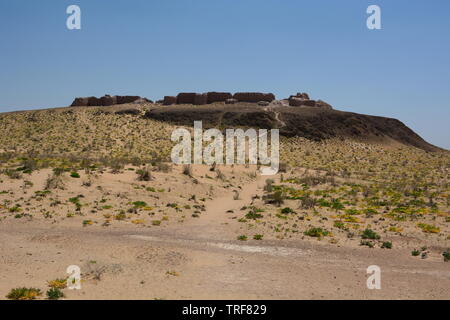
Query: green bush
(317, 232)
(23, 294)
(139, 204)
(446, 255)
(253, 215)
(386, 245)
(370, 234)
(257, 237)
(54, 294)
(144, 174)
(75, 175)
(367, 243)
(287, 210)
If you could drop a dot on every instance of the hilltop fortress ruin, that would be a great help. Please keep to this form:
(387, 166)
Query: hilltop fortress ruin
(193, 98)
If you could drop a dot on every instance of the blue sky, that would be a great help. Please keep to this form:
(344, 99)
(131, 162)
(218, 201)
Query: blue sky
(154, 48)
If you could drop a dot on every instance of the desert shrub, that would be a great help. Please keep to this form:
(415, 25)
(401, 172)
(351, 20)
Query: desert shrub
(308, 202)
(75, 174)
(336, 205)
(220, 175)
(257, 237)
(58, 171)
(276, 198)
(87, 182)
(446, 255)
(144, 174)
(76, 202)
(370, 212)
(316, 232)
(386, 245)
(54, 294)
(172, 273)
(242, 238)
(15, 209)
(367, 243)
(94, 270)
(42, 193)
(287, 210)
(427, 228)
(28, 165)
(315, 180)
(55, 180)
(28, 184)
(139, 204)
(23, 294)
(120, 216)
(58, 283)
(253, 215)
(187, 170)
(6, 156)
(370, 234)
(269, 185)
(415, 253)
(162, 167)
(87, 223)
(116, 165)
(12, 174)
(86, 164)
(283, 167)
(339, 225)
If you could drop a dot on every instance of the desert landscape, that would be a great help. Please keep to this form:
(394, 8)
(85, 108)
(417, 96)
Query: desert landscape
(92, 185)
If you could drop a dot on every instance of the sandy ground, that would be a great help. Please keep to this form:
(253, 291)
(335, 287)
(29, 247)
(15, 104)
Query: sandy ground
(197, 260)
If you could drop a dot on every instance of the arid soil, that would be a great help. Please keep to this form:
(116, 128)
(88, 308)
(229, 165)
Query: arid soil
(92, 187)
(200, 258)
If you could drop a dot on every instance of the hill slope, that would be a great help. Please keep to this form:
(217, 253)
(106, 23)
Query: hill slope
(308, 122)
(129, 131)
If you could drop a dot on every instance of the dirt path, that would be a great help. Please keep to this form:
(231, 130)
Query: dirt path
(212, 223)
(272, 108)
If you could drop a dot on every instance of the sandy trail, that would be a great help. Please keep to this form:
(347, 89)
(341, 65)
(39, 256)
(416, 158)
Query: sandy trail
(213, 222)
(272, 108)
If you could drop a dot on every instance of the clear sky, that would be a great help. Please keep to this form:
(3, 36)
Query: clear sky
(154, 48)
